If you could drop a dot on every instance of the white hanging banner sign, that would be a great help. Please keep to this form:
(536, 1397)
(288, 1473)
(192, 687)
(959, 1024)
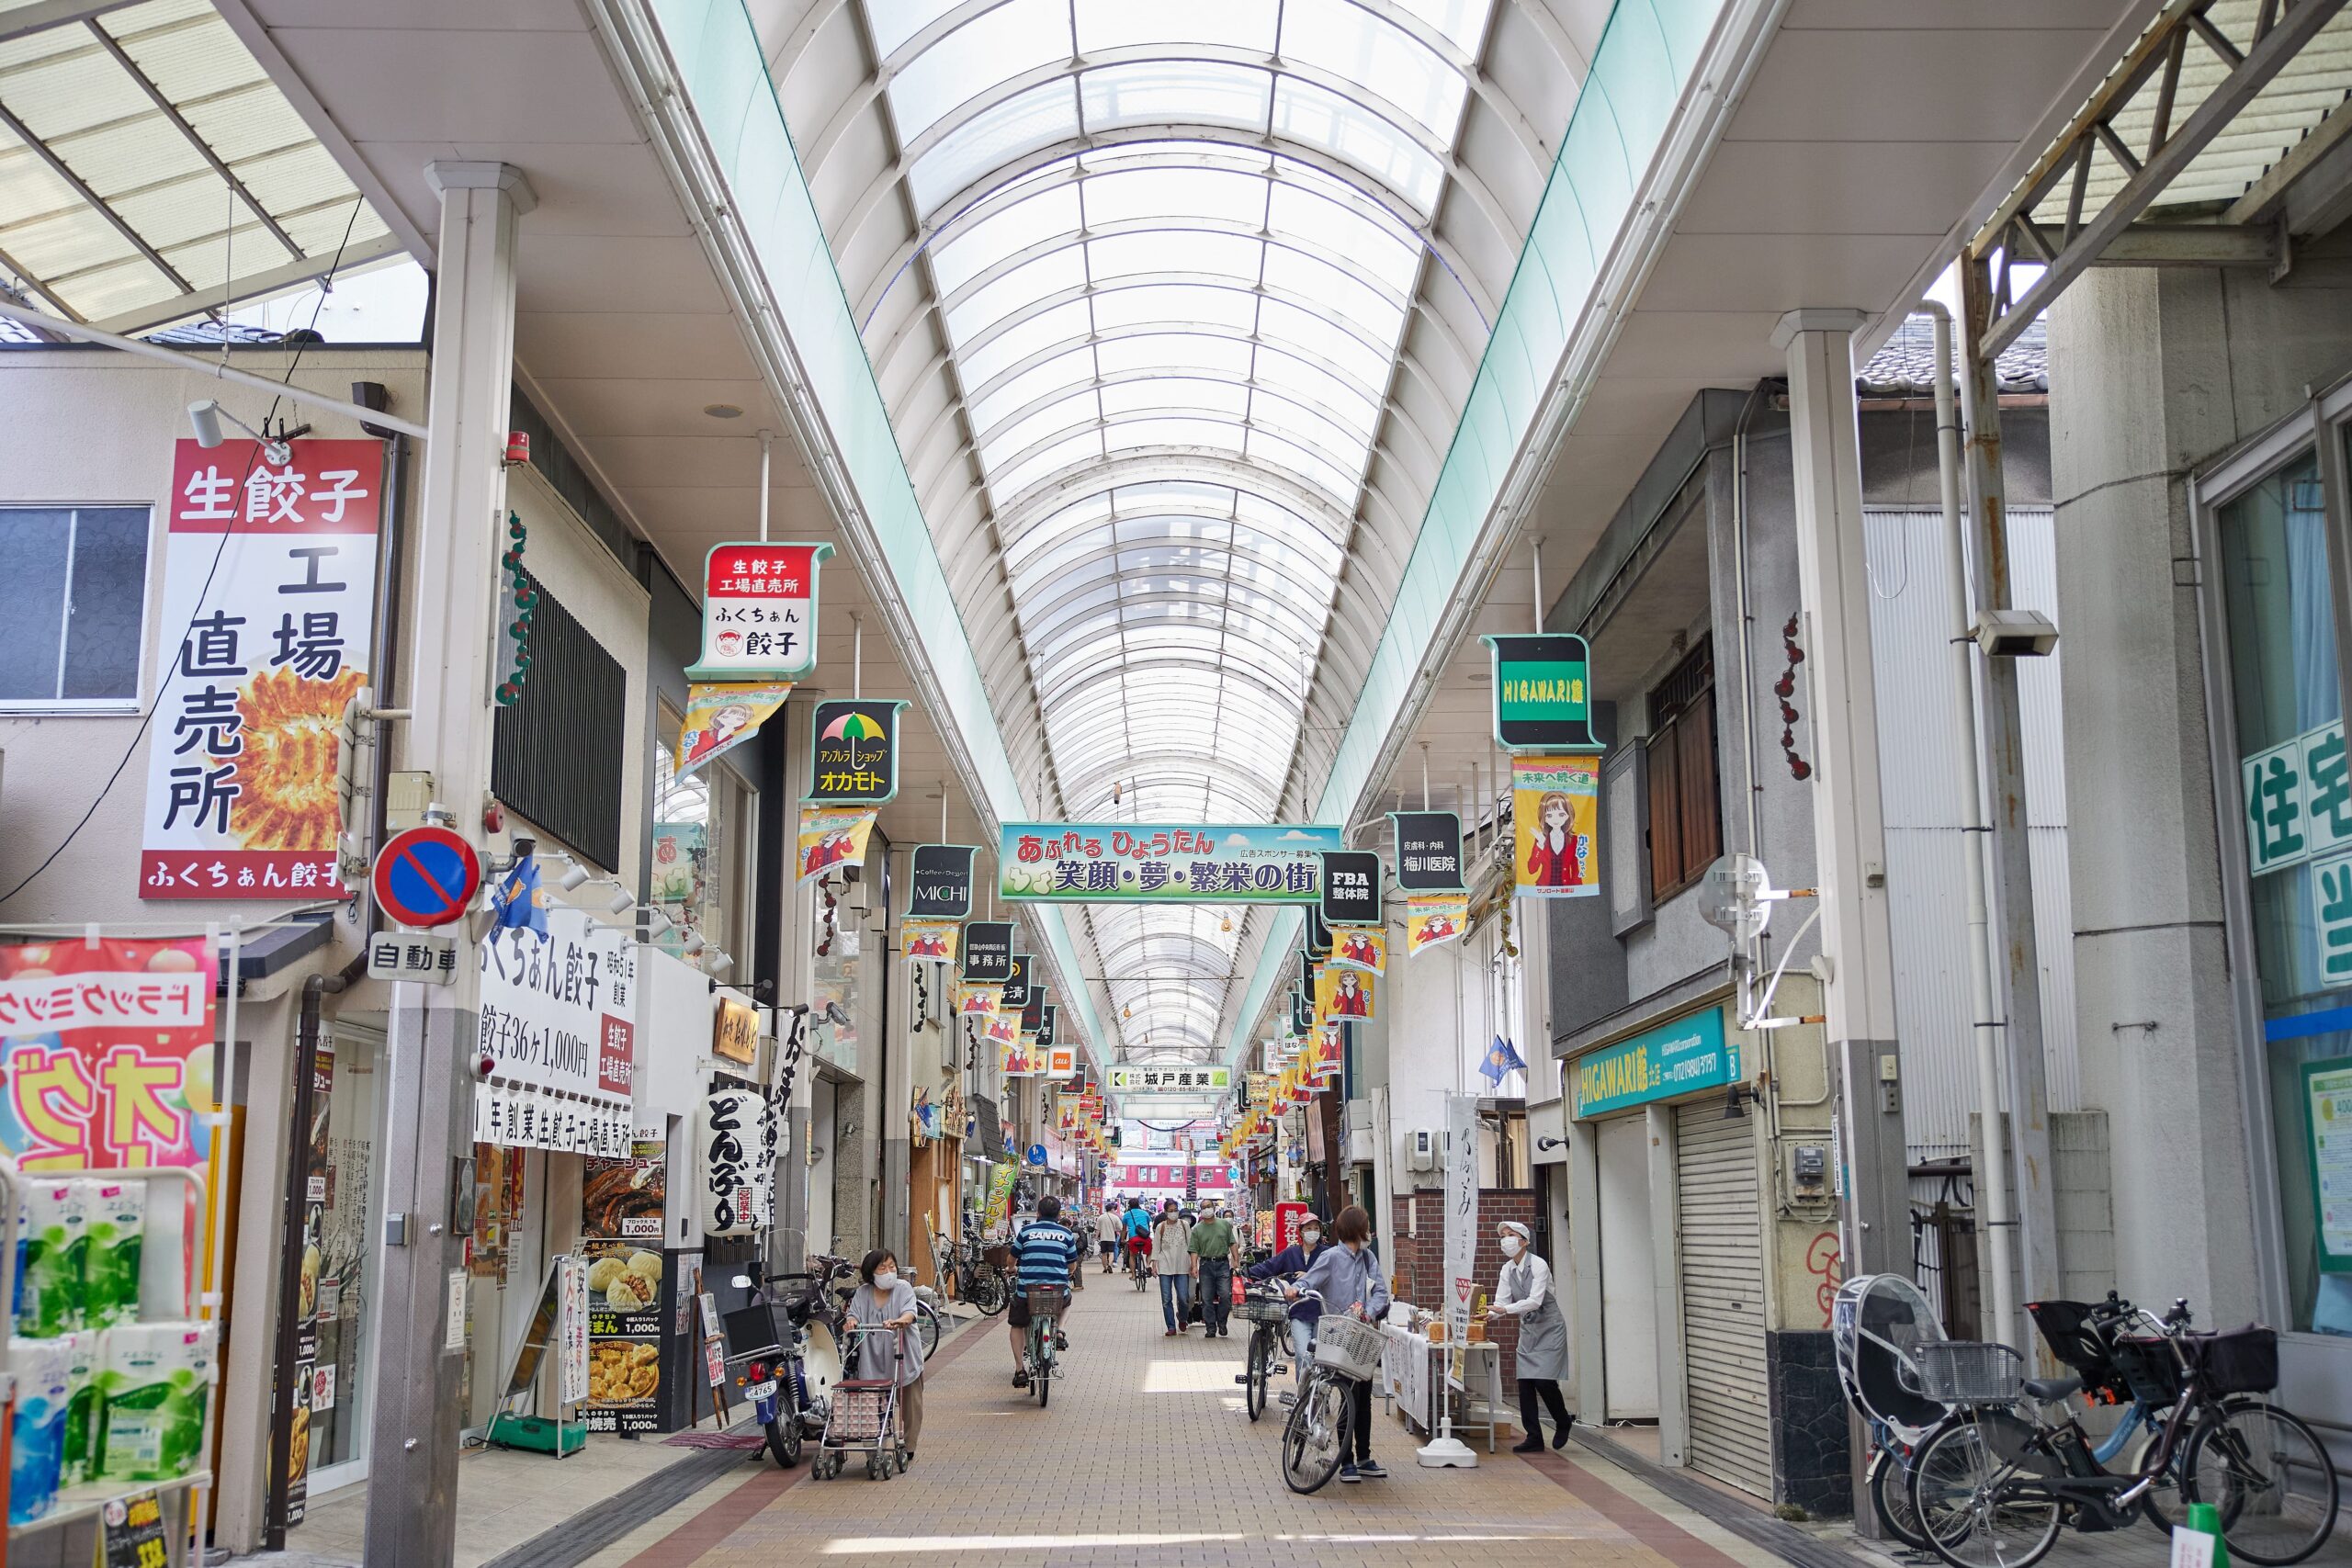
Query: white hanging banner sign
(531, 1119)
(557, 1010)
(736, 1143)
(759, 612)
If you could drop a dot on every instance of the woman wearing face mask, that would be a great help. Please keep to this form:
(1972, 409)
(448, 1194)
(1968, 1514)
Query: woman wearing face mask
(1525, 1293)
(1293, 1260)
(887, 1301)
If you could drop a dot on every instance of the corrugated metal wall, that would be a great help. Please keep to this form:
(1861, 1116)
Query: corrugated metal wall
(1919, 758)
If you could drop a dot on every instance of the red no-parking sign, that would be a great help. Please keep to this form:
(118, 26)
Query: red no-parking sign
(426, 876)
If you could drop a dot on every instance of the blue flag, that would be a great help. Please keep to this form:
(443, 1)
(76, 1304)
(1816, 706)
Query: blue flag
(520, 904)
(1502, 1058)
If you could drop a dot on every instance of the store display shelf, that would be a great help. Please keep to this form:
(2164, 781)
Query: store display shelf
(87, 1502)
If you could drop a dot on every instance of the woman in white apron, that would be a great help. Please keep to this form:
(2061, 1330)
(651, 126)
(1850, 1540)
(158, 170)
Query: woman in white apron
(1526, 1293)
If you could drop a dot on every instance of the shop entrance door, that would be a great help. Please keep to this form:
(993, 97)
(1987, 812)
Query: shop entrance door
(348, 1181)
(1628, 1293)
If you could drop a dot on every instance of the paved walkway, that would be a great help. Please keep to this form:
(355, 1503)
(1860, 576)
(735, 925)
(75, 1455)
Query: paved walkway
(1145, 1456)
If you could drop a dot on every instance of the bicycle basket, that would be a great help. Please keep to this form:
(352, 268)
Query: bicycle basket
(1349, 1346)
(997, 1254)
(2150, 1370)
(1958, 1371)
(1048, 1299)
(2237, 1360)
(1262, 1312)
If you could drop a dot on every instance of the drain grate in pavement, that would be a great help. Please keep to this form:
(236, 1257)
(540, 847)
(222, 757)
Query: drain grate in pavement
(590, 1531)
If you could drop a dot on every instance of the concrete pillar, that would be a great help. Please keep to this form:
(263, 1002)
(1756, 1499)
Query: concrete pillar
(1848, 825)
(1665, 1281)
(420, 1351)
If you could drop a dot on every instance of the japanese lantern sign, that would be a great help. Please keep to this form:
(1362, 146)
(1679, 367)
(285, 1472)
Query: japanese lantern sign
(269, 587)
(759, 612)
(106, 1049)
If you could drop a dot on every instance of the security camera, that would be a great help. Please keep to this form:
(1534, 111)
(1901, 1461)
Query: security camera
(2015, 634)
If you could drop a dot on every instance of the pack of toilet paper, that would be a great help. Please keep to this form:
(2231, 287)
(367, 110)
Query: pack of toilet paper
(113, 1237)
(37, 1440)
(53, 1233)
(155, 1380)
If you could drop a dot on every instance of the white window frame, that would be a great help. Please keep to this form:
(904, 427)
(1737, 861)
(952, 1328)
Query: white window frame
(98, 707)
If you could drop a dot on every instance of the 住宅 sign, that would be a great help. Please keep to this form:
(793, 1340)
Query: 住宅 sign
(1543, 691)
(759, 612)
(1667, 1061)
(1103, 862)
(269, 576)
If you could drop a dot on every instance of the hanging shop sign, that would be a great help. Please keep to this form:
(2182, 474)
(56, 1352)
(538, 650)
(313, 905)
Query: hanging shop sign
(1016, 982)
(734, 1167)
(723, 715)
(1342, 993)
(1300, 1013)
(1046, 1015)
(1555, 803)
(940, 885)
(832, 835)
(1429, 851)
(1542, 692)
(735, 1030)
(271, 569)
(988, 952)
(1032, 1010)
(1122, 1080)
(1104, 863)
(929, 942)
(556, 1011)
(107, 1053)
(1432, 920)
(1675, 1059)
(853, 752)
(1350, 888)
(759, 612)
(1361, 947)
(1061, 1061)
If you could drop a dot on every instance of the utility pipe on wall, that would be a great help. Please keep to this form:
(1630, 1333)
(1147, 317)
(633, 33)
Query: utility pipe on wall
(1992, 1174)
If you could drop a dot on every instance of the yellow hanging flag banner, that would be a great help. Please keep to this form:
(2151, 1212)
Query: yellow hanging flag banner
(1434, 919)
(832, 836)
(722, 716)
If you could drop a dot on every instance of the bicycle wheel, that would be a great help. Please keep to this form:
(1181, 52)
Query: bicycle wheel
(1041, 1358)
(2162, 1506)
(1254, 1382)
(2270, 1478)
(1890, 1499)
(988, 1293)
(926, 1327)
(1977, 1497)
(1316, 1436)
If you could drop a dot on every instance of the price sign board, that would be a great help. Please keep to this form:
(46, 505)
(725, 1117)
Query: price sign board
(134, 1535)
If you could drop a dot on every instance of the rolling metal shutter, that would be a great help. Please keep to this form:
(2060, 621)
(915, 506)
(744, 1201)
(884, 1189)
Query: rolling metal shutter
(1723, 1297)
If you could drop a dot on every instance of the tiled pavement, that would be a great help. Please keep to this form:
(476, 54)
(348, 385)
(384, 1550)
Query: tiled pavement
(1145, 1456)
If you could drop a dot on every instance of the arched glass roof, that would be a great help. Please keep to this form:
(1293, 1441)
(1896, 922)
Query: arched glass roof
(1175, 307)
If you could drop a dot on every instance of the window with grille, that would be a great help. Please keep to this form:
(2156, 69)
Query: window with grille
(1685, 805)
(557, 752)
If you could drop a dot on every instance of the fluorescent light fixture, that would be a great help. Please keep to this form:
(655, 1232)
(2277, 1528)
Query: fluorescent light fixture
(205, 414)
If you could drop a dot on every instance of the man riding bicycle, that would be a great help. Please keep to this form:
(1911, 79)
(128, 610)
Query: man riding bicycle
(1138, 1224)
(1044, 1254)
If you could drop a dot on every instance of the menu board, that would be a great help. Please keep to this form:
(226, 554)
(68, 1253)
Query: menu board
(622, 1200)
(624, 1338)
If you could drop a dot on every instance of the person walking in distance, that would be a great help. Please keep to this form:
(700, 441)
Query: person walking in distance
(1214, 1248)
(1041, 1255)
(1171, 1260)
(1109, 1227)
(1526, 1293)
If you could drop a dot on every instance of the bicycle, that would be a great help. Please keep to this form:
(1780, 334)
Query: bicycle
(1321, 1426)
(976, 1281)
(1268, 1321)
(1139, 1262)
(1992, 1486)
(1046, 1303)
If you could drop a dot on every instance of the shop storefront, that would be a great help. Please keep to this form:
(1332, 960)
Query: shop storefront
(2272, 521)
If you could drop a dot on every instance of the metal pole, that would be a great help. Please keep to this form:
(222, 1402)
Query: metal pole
(1425, 776)
(2035, 1207)
(1992, 1182)
(767, 455)
(856, 654)
(1535, 554)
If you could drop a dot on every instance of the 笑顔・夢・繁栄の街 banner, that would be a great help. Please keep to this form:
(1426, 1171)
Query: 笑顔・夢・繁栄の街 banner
(1128, 863)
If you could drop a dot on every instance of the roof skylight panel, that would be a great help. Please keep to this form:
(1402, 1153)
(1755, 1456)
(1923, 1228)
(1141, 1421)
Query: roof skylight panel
(1174, 92)
(993, 139)
(973, 248)
(992, 48)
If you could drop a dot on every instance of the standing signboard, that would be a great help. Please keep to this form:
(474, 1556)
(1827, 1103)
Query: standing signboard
(271, 569)
(1461, 1211)
(759, 612)
(572, 1328)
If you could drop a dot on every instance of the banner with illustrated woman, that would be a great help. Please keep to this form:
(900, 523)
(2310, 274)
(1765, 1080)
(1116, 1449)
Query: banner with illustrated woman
(1555, 808)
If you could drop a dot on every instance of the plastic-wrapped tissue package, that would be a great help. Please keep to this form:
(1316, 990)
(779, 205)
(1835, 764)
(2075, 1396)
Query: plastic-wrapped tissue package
(155, 1377)
(52, 1231)
(43, 1370)
(82, 1408)
(113, 1237)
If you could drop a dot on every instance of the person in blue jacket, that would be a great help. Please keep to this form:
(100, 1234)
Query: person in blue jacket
(1295, 1259)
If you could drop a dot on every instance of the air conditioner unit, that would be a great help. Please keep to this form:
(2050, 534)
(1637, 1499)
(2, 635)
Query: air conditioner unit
(1421, 1154)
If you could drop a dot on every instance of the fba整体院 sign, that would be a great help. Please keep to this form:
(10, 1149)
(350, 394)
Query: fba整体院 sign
(1672, 1059)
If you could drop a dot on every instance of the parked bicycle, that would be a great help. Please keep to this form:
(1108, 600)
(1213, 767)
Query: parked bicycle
(1263, 1310)
(974, 1281)
(1317, 1439)
(1992, 1485)
(1877, 1324)
(1047, 1305)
